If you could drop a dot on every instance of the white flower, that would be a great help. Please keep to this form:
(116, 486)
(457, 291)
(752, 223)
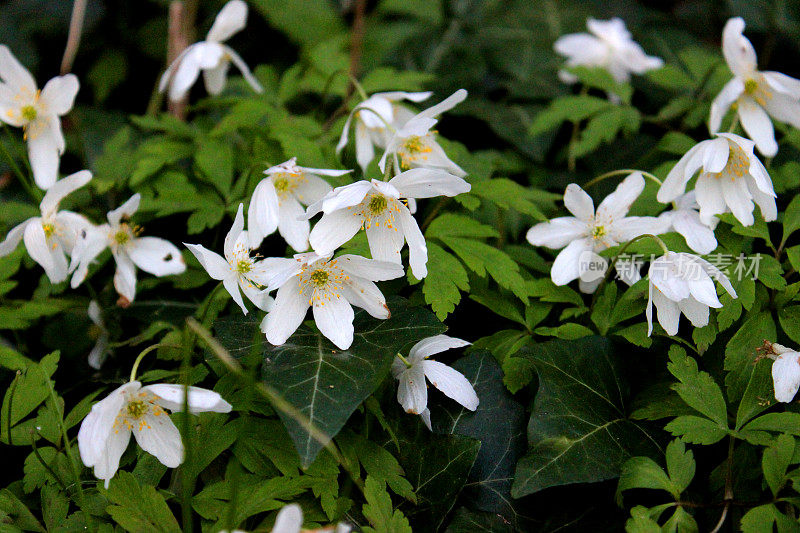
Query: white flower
(685, 219)
(49, 237)
(413, 145)
(237, 269)
(131, 408)
(330, 287)
(731, 179)
(609, 46)
(683, 283)
(785, 372)
(290, 520)
(37, 112)
(151, 254)
(588, 232)
(210, 56)
(756, 95)
(412, 391)
(100, 349)
(375, 118)
(278, 201)
(377, 207)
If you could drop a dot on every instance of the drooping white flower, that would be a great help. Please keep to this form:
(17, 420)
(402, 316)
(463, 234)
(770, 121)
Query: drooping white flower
(278, 201)
(237, 269)
(290, 520)
(100, 349)
(151, 254)
(785, 372)
(37, 112)
(757, 95)
(413, 145)
(685, 219)
(588, 232)
(412, 391)
(731, 179)
(331, 287)
(375, 119)
(608, 46)
(51, 236)
(106, 430)
(683, 283)
(211, 57)
(377, 207)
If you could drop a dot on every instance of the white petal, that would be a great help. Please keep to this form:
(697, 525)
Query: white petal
(293, 230)
(59, 94)
(625, 229)
(699, 237)
(451, 382)
(783, 84)
(346, 196)
(289, 519)
(758, 126)
(557, 232)
(36, 244)
(394, 96)
(157, 435)
(334, 318)
(703, 290)
(786, 376)
(333, 230)
(125, 276)
(765, 202)
(200, 400)
(186, 72)
(262, 214)
(244, 69)
(695, 311)
(709, 197)
(214, 264)
(412, 392)
(617, 204)
(231, 19)
(44, 150)
(738, 52)
(426, 419)
(214, 78)
(14, 74)
(737, 197)
(784, 108)
(125, 211)
(566, 266)
(259, 297)
(231, 284)
(13, 238)
(99, 424)
(716, 155)
(313, 188)
(675, 183)
(723, 101)
(579, 203)
(287, 313)
(581, 48)
(273, 272)
(366, 295)
(668, 312)
(385, 243)
(234, 234)
(365, 150)
(433, 345)
(170, 72)
(156, 256)
(62, 188)
(89, 243)
(370, 269)
(428, 183)
(417, 249)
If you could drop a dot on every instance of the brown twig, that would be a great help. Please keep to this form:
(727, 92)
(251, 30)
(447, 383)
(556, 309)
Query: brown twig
(74, 35)
(180, 24)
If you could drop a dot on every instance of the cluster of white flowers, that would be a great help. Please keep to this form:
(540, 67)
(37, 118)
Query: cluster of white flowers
(726, 174)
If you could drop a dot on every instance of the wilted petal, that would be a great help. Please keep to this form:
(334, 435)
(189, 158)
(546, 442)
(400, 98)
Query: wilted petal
(786, 376)
(412, 392)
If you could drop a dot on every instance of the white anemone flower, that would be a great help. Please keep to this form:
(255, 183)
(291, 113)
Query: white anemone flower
(684, 218)
(588, 232)
(375, 119)
(278, 201)
(412, 391)
(99, 352)
(51, 236)
(683, 283)
(331, 287)
(413, 145)
(785, 371)
(756, 95)
(731, 179)
(37, 112)
(151, 254)
(290, 520)
(377, 207)
(608, 46)
(238, 269)
(106, 430)
(211, 57)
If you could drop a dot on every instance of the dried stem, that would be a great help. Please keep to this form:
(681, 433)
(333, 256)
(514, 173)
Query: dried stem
(74, 35)
(180, 26)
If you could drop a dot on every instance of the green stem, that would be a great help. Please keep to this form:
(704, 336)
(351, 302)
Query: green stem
(361, 92)
(145, 352)
(13, 390)
(23, 180)
(187, 468)
(622, 251)
(625, 171)
(404, 360)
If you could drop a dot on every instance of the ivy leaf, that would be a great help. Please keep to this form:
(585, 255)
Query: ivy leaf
(498, 423)
(325, 383)
(579, 430)
(139, 508)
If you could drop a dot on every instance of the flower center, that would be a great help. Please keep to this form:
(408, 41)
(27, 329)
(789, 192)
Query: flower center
(285, 183)
(49, 229)
(376, 210)
(319, 278)
(598, 232)
(750, 86)
(29, 113)
(322, 283)
(377, 204)
(413, 149)
(137, 409)
(758, 90)
(121, 237)
(737, 166)
(243, 266)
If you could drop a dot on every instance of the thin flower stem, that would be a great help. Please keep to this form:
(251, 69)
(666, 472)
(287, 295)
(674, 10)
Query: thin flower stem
(187, 468)
(12, 391)
(623, 171)
(361, 92)
(734, 123)
(23, 179)
(147, 351)
(74, 36)
(404, 360)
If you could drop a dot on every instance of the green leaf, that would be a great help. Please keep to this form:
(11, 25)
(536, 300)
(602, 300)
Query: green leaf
(776, 460)
(26, 392)
(306, 23)
(325, 383)
(789, 318)
(758, 389)
(680, 465)
(214, 160)
(13, 511)
(640, 522)
(791, 218)
(445, 280)
(696, 429)
(763, 518)
(567, 108)
(379, 511)
(697, 388)
(378, 463)
(770, 272)
(676, 143)
(498, 423)
(139, 508)
(579, 430)
(508, 194)
(453, 225)
(482, 258)
(741, 352)
(569, 331)
(644, 473)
